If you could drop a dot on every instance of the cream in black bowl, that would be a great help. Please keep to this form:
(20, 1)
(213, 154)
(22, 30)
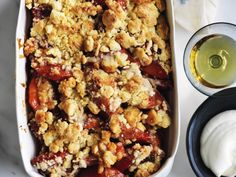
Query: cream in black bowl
(217, 103)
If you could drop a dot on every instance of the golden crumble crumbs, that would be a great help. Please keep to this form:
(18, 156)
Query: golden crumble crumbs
(97, 71)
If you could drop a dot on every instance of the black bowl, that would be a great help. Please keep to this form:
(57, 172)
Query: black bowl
(215, 104)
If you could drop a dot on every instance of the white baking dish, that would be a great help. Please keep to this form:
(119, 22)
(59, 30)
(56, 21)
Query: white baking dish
(27, 144)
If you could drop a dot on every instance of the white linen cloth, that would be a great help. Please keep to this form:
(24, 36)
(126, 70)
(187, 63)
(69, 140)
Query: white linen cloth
(194, 14)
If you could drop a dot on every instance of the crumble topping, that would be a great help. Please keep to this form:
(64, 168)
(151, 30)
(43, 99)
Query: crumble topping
(97, 72)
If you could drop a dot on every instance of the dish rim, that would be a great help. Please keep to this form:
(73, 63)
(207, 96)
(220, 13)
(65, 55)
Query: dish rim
(167, 165)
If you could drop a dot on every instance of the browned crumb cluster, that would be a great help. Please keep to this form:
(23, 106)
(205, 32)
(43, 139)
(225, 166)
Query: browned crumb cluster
(98, 69)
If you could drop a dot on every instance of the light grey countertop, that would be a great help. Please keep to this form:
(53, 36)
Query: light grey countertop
(10, 161)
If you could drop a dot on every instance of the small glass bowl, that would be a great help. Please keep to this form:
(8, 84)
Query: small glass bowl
(220, 28)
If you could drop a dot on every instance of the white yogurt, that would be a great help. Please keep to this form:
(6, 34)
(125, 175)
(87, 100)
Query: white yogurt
(218, 144)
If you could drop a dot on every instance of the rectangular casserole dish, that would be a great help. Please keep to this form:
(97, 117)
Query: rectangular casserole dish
(27, 145)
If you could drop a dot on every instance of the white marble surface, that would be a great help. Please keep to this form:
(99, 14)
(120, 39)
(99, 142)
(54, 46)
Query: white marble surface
(10, 162)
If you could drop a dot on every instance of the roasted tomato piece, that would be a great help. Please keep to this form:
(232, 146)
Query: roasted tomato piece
(139, 136)
(53, 72)
(33, 94)
(124, 163)
(153, 101)
(134, 133)
(155, 70)
(120, 148)
(42, 11)
(103, 103)
(48, 156)
(91, 123)
(108, 172)
(123, 50)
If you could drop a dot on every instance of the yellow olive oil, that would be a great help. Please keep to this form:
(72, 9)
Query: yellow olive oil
(213, 61)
